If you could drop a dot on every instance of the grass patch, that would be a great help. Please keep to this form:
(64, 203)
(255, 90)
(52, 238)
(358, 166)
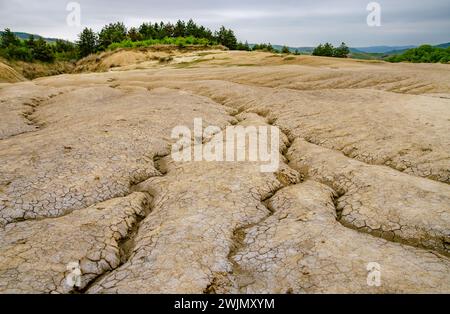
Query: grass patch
(180, 42)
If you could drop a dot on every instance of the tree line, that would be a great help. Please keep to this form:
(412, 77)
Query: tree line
(31, 49)
(424, 54)
(117, 35)
(91, 42)
(328, 50)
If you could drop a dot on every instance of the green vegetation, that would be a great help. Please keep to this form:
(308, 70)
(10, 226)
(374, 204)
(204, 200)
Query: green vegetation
(179, 41)
(285, 49)
(113, 36)
(181, 34)
(425, 54)
(87, 42)
(31, 49)
(328, 50)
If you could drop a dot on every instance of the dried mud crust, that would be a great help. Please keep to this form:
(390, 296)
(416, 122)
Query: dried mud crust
(35, 254)
(301, 248)
(379, 200)
(405, 132)
(86, 176)
(92, 148)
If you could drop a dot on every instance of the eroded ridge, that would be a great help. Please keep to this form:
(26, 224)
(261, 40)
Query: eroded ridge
(379, 200)
(35, 255)
(18, 103)
(185, 243)
(301, 248)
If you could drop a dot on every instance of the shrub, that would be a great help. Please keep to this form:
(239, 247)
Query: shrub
(17, 53)
(423, 54)
(42, 51)
(327, 50)
(181, 42)
(112, 33)
(87, 42)
(285, 49)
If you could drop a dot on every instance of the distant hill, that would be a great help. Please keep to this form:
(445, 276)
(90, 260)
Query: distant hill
(366, 53)
(24, 36)
(400, 51)
(383, 49)
(293, 49)
(446, 45)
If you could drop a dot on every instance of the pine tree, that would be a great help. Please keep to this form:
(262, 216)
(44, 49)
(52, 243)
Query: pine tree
(328, 50)
(42, 51)
(87, 42)
(180, 29)
(226, 38)
(30, 42)
(8, 38)
(285, 49)
(134, 35)
(112, 33)
(342, 51)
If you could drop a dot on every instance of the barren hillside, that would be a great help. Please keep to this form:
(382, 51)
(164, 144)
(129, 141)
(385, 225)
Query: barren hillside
(87, 177)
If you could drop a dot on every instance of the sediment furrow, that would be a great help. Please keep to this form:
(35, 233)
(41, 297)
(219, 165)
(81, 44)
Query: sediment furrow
(185, 243)
(363, 124)
(384, 224)
(17, 111)
(236, 279)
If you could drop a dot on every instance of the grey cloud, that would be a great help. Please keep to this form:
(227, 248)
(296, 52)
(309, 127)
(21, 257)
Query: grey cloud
(296, 23)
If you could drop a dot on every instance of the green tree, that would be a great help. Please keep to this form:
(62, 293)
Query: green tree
(424, 53)
(134, 34)
(148, 31)
(226, 38)
(17, 53)
(42, 51)
(8, 38)
(326, 50)
(63, 46)
(342, 51)
(285, 49)
(30, 42)
(243, 46)
(87, 42)
(112, 33)
(192, 29)
(318, 51)
(179, 29)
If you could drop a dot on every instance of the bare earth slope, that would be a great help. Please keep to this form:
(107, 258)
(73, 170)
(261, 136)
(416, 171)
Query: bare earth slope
(8, 74)
(86, 178)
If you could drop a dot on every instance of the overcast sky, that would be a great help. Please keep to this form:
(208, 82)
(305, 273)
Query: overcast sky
(290, 22)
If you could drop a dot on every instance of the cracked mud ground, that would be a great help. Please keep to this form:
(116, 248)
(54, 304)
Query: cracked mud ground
(86, 176)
